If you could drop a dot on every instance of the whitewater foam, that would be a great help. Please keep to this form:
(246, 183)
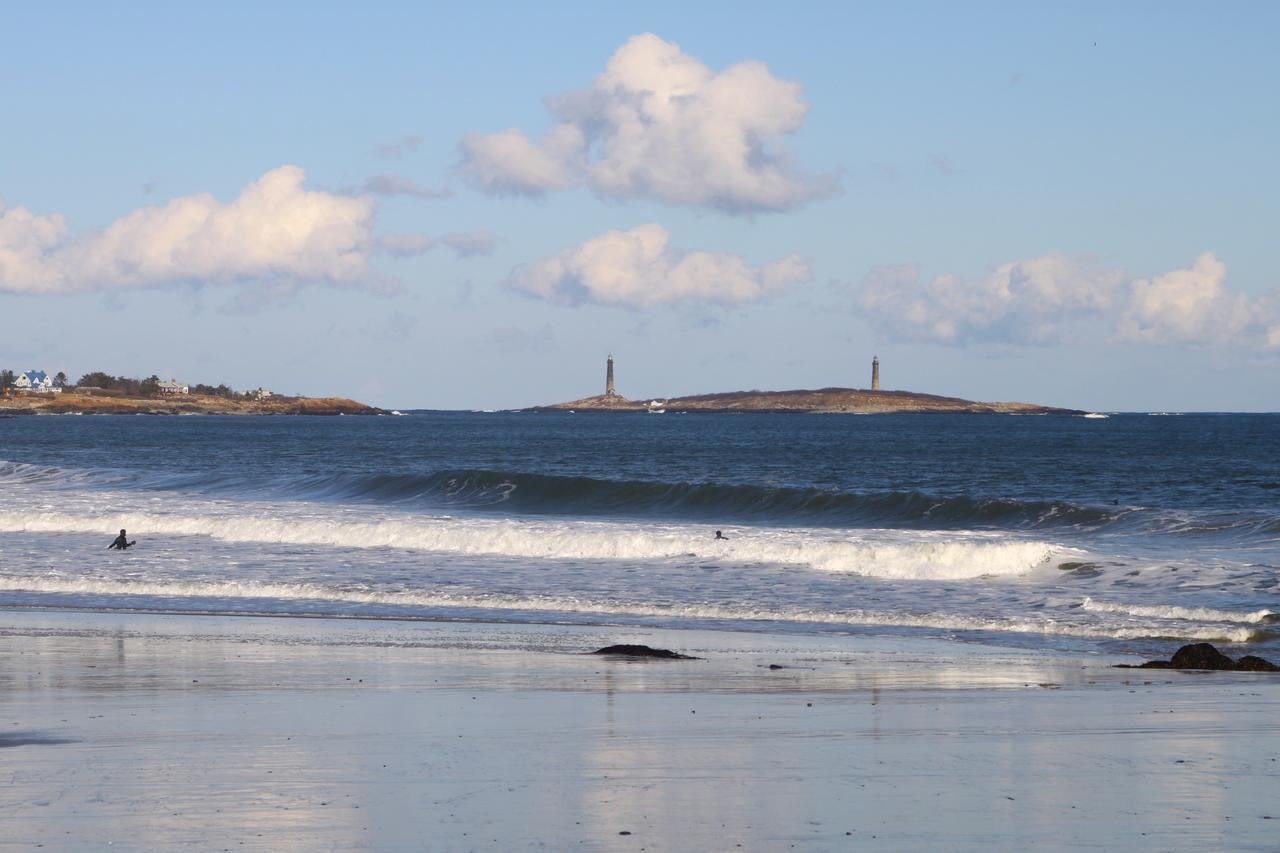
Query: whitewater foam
(921, 556)
(1189, 614)
(172, 590)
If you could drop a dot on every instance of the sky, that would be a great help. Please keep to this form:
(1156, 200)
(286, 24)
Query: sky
(469, 206)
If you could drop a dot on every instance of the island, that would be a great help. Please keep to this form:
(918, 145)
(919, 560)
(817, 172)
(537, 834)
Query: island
(820, 401)
(856, 401)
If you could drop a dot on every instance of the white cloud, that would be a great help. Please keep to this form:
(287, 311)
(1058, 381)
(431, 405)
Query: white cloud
(1024, 301)
(1031, 301)
(405, 245)
(470, 243)
(638, 268)
(1189, 306)
(275, 230)
(25, 241)
(657, 123)
(393, 185)
(510, 163)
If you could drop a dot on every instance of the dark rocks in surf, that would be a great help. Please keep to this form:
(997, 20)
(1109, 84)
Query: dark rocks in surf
(1204, 656)
(1200, 656)
(635, 651)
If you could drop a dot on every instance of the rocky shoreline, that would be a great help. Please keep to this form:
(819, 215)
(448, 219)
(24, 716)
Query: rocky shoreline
(72, 403)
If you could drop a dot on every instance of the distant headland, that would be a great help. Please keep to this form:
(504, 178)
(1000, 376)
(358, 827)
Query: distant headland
(36, 393)
(823, 400)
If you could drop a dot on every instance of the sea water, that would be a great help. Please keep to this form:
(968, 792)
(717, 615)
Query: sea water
(1127, 534)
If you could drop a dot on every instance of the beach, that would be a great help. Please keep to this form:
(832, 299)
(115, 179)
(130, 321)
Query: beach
(143, 731)
(377, 633)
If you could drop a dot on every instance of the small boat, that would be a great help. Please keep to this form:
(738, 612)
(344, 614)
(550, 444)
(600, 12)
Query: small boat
(1096, 415)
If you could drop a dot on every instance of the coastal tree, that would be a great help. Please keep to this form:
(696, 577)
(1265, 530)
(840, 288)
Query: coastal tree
(213, 391)
(97, 379)
(60, 380)
(150, 387)
(6, 380)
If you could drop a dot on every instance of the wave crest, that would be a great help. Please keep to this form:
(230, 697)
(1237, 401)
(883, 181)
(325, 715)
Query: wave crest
(924, 557)
(1264, 616)
(535, 494)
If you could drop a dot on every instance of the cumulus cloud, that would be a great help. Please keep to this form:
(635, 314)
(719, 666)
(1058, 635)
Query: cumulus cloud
(1024, 301)
(405, 245)
(657, 123)
(274, 230)
(470, 243)
(638, 268)
(510, 163)
(393, 185)
(1031, 301)
(1189, 306)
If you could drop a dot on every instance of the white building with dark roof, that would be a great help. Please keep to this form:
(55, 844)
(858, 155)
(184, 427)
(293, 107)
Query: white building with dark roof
(35, 381)
(173, 386)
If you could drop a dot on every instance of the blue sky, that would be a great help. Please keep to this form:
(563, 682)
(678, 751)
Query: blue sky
(1063, 204)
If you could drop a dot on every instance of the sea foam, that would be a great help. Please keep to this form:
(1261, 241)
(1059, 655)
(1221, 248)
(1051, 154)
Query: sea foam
(1190, 614)
(883, 554)
(325, 596)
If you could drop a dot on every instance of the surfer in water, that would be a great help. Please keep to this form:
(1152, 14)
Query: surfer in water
(720, 535)
(121, 542)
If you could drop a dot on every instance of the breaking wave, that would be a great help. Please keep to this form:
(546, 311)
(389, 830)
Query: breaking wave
(925, 557)
(1264, 616)
(321, 594)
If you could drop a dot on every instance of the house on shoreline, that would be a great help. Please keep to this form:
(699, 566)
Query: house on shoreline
(172, 387)
(35, 382)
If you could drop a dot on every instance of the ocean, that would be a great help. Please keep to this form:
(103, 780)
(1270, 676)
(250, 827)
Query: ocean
(1125, 535)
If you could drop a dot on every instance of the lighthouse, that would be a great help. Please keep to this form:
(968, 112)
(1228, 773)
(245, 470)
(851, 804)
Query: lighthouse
(875, 372)
(608, 378)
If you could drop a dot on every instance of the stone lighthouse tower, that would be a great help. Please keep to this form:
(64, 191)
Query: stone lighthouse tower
(875, 373)
(608, 378)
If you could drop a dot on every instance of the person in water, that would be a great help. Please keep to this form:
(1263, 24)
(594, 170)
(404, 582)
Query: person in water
(720, 535)
(121, 542)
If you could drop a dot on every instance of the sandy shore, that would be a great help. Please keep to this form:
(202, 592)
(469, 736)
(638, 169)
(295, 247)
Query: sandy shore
(166, 732)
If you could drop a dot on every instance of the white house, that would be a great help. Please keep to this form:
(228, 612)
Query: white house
(263, 394)
(36, 381)
(173, 386)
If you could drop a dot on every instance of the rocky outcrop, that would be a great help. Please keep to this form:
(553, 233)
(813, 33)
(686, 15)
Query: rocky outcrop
(633, 651)
(1204, 656)
(1253, 663)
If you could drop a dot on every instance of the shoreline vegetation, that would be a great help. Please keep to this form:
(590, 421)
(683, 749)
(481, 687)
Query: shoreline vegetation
(72, 402)
(820, 401)
(102, 394)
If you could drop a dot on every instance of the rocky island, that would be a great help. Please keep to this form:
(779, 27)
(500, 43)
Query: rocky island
(822, 400)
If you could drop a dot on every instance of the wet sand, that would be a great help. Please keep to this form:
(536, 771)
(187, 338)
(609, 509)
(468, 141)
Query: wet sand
(126, 732)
